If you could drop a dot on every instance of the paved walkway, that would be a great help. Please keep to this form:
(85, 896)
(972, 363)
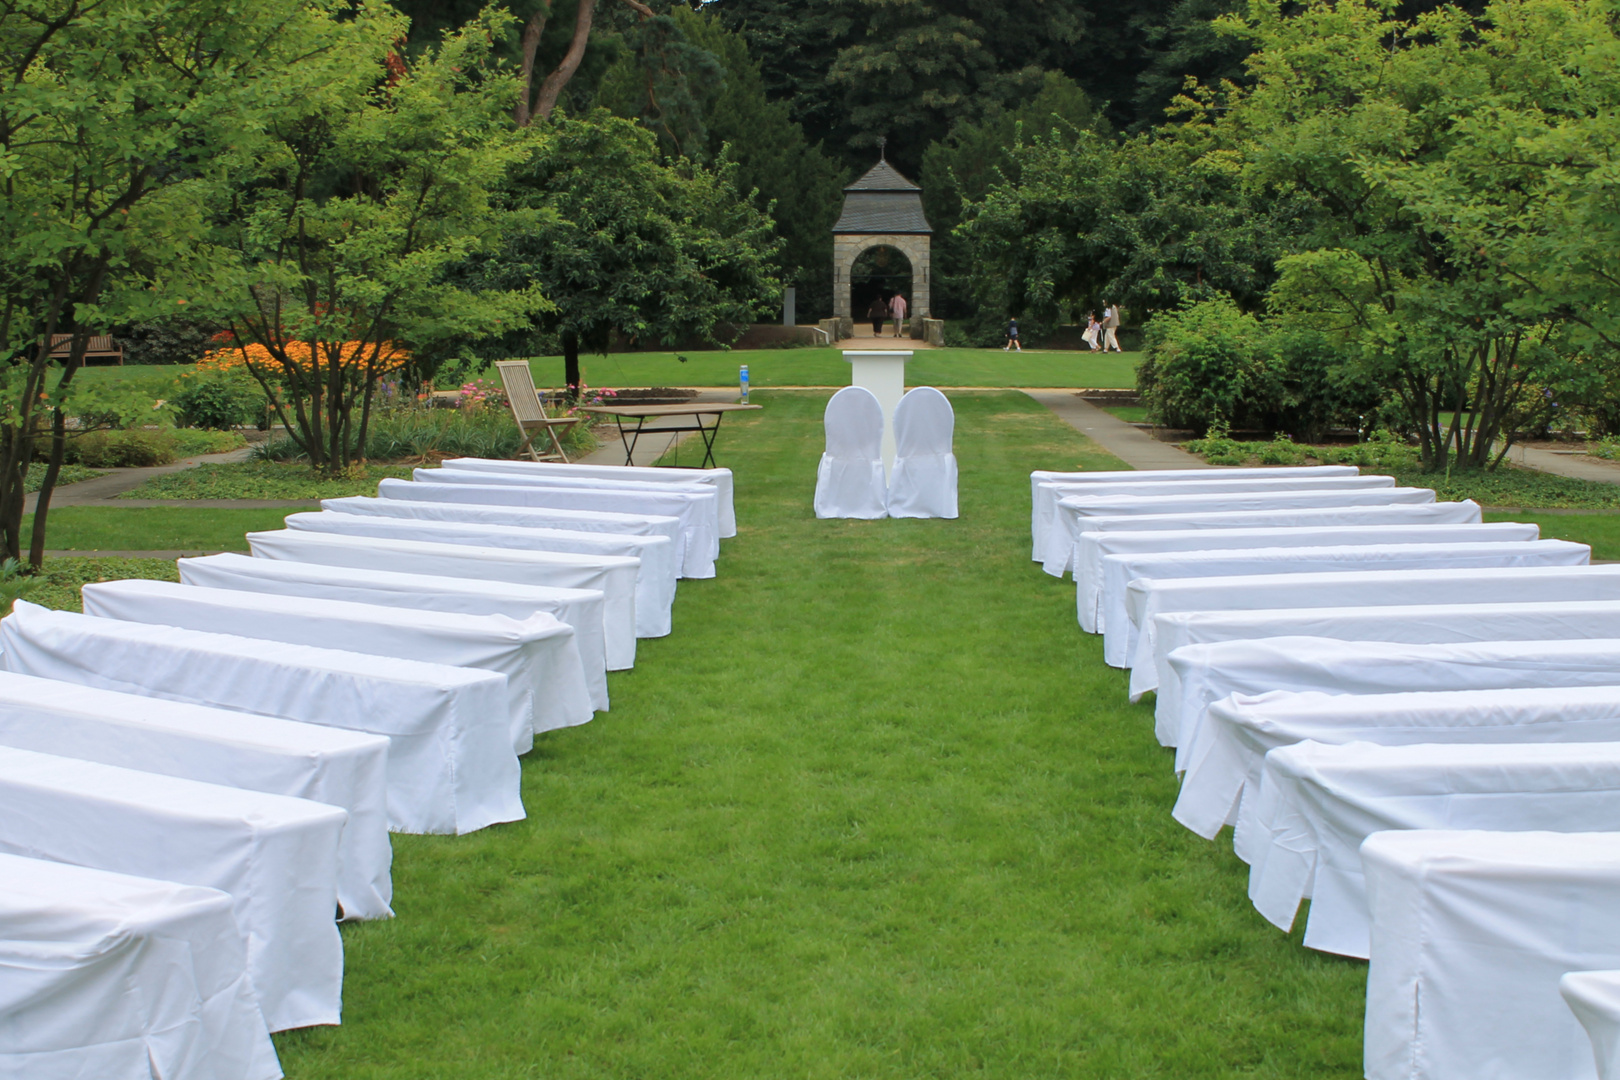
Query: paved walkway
(1568, 463)
(1130, 444)
(101, 490)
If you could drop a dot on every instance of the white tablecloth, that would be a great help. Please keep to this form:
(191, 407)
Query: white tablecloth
(545, 684)
(1594, 998)
(1043, 501)
(109, 977)
(612, 575)
(1071, 514)
(451, 768)
(1148, 599)
(277, 858)
(1091, 572)
(1416, 624)
(697, 540)
(655, 577)
(1097, 525)
(1224, 758)
(719, 479)
(328, 765)
(1471, 933)
(1210, 672)
(1124, 645)
(1318, 802)
(579, 608)
(1057, 491)
(708, 504)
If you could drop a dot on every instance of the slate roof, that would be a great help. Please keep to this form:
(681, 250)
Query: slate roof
(882, 201)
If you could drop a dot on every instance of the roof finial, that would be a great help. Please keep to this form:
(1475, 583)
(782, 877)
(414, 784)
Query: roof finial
(883, 141)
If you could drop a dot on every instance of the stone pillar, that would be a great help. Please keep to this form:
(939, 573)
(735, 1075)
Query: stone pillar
(915, 247)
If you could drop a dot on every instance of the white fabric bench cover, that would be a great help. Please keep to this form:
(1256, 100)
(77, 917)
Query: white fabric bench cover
(849, 475)
(529, 517)
(1226, 754)
(613, 576)
(109, 977)
(1125, 645)
(1211, 672)
(697, 539)
(1318, 802)
(1043, 501)
(1096, 526)
(1094, 578)
(719, 479)
(277, 858)
(579, 608)
(451, 768)
(924, 480)
(707, 495)
(347, 769)
(1594, 998)
(1147, 599)
(655, 577)
(1060, 543)
(1071, 514)
(545, 685)
(1416, 624)
(1471, 933)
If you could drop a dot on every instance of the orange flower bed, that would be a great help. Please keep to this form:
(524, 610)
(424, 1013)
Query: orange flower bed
(350, 354)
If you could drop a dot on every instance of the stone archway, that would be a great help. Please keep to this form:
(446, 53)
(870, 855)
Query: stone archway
(882, 209)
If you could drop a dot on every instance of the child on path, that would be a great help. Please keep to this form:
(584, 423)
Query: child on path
(1093, 331)
(1012, 336)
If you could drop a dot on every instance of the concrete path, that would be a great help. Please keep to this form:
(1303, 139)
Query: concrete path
(1130, 444)
(1575, 465)
(100, 490)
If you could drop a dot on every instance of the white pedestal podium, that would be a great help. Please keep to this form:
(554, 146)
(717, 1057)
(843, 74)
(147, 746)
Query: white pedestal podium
(883, 373)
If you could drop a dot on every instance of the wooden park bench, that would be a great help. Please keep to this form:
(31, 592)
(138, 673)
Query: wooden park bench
(99, 347)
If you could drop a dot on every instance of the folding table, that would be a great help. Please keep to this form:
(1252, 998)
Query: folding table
(642, 413)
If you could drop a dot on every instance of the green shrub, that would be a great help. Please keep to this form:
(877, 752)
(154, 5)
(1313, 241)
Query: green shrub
(1205, 363)
(429, 434)
(1607, 448)
(118, 449)
(175, 340)
(189, 442)
(218, 400)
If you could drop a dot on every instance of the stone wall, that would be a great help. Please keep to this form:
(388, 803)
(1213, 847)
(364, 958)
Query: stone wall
(848, 248)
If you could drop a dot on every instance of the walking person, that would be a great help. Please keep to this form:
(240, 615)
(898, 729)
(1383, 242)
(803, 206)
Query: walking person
(877, 313)
(1012, 336)
(1111, 328)
(1093, 331)
(897, 308)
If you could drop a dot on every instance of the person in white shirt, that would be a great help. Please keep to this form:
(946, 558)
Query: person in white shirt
(1110, 327)
(897, 308)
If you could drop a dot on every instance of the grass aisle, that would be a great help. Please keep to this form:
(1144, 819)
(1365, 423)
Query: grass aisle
(876, 809)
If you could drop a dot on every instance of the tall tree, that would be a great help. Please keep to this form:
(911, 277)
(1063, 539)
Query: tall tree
(114, 127)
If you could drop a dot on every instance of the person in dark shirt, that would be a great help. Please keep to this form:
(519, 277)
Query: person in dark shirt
(1012, 336)
(877, 313)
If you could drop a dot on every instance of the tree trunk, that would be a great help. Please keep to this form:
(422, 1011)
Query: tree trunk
(552, 88)
(529, 45)
(570, 345)
(42, 502)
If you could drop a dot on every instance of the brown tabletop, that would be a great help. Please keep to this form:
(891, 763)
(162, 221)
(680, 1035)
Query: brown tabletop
(642, 413)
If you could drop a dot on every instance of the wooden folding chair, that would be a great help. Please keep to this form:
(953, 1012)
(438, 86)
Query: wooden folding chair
(527, 410)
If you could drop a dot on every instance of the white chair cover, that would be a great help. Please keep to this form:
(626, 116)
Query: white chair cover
(655, 577)
(719, 479)
(1042, 502)
(1594, 998)
(613, 576)
(924, 480)
(1471, 933)
(217, 746)
(849, 480)
(1125, 645)
(1211, 672)
(451, 768)
(276, 857)
(113, 977)
(1416, 624)
(1223, 763)
(579, 608)
(1067, 524)
(1091, 584)
(1317, 803)
(545, 684)
(697, 507)
(1146, 599)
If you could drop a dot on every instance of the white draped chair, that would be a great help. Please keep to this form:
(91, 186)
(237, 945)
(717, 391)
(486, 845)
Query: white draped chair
(849, 481)
(924, 480)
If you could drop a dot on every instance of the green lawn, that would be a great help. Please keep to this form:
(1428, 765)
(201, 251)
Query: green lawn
(263, 480)
(1131, 414)
(153, 528)
(826, 367)
(875, 809)
(1597, 528)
